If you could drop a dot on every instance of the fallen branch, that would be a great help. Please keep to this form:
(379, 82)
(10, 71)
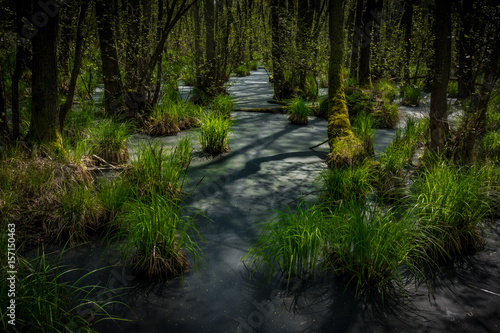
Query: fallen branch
(319, 144)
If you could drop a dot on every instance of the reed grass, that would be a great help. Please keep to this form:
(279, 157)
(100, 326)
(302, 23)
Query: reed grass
(298, 111)
(213, 133)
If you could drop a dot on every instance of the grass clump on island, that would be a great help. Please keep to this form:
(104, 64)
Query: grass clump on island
(214, 132)
(298, 111)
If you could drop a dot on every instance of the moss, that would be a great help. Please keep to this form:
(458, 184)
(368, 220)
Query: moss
(345, 151)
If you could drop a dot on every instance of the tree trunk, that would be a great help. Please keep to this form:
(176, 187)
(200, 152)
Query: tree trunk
(277, 9)
(197, 42)
(356, 40)
(442, 59)
(466, 51)
(44, 127)
(106, 13)
(305, 42)
(4, 127)
(408, 22)
(364, 72)
(135, 94)
(22, 10)
(77, 64)
(338, 115)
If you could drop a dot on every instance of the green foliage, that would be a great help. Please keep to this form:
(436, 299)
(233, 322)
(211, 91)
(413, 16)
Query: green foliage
(291, 243)
(359, 101)
(213, 133)
(157, 171)
(449, 201)
(298, 111)
(45, 303)
(341, 185)
(157, 237)
(388, 89)
(322, 111)
(369, 246)
(386, 115)
(109, 140)
(222, 104)
(113, 194)
(346, 151)
(411, 95)
(392, 179)
(490, 145)
(242, 70)
(452, 88)
(363, 128)
(172, 117)
(253, 65)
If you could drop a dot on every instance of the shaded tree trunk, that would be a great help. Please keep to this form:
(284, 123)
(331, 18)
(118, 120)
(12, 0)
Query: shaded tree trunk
(197, 42)
(77, 64)
(22, 10)
(364, 71)
(356, 41)
(44, 126)
(438, 124)
(407, 21)
(106, 12)
(277, 9)
(4, 127)
(338, 115)
(466, 51)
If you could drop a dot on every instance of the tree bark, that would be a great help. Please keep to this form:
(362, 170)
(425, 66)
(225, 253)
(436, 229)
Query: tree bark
(338, 115)
(364, 71)
(408, 22)
(466, 51)
(106, 13)
(44, 126)
(438, 124)
(77, 64)
(4, 127)
(277, 9)
(356, 41)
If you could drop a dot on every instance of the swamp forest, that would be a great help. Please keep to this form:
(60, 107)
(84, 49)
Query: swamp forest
(249, 166)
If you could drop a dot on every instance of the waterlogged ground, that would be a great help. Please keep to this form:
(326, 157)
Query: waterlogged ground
(270, 166)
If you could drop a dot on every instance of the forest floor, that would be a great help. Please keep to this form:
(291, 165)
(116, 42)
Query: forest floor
(270, 166)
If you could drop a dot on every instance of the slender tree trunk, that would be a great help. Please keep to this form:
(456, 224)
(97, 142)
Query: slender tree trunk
(4, 127)
(134, 96)
(408, 23)
(44, 127)
(197, 42)
(356, 41)
(442, 59)
(338, 115)
(465, 52)
(106, 12)
(364, 72)
(22, 10)
(305, 42)
(77, 64)
(277, 8)
(159, 64)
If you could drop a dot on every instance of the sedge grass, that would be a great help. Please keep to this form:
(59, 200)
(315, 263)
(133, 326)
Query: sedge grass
(411, 95)
(45, 302)
(213, 133)
(156, 169)
(345, 183)
(109, 139)
(370, 247)
(290, 243)
(298, 111)
(158, 238)
(450, 200)
(363, 128)
(222, 104)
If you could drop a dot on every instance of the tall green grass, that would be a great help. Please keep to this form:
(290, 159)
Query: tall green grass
(340, 185)
(363, 128)
(158, 238)
(45, 302)
(370, 247)
(172, 117)
(290, 243)
(222, 105)
(298, 111)
(157, 170)
(109, 140)
(411, 95)
(450, 200)
(213, 133)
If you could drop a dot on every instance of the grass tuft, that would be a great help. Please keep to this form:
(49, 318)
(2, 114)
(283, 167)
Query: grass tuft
(298, 111)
